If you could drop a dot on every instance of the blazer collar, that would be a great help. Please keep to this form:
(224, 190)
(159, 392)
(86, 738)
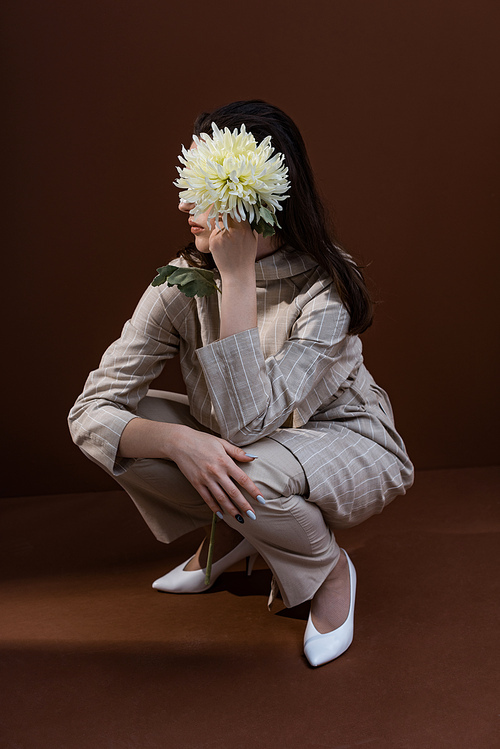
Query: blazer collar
(283, 263)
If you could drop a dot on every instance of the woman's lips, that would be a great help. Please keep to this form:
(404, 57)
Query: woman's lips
(195, 228)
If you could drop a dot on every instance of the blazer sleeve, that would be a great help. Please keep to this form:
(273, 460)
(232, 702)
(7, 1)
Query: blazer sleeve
(253, 396)
(113, 390)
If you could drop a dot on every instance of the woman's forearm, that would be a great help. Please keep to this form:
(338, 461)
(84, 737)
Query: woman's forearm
(238, 307)
(234, 251)
(143, 438)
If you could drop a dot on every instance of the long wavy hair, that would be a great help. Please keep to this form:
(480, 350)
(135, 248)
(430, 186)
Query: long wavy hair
(303, 218)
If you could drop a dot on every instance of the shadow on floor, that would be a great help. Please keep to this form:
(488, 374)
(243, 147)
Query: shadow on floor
(92, 657)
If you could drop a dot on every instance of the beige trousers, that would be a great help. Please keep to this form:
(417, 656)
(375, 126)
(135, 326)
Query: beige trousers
(290, 533)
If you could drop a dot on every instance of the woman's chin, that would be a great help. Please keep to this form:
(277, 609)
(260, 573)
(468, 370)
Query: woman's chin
(202, 245)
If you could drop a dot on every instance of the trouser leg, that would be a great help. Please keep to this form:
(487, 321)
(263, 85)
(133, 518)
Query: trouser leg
(166, 500)
(289, 533)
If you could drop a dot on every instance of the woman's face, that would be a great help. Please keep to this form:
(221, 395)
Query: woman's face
(198, 226)
(198, 223)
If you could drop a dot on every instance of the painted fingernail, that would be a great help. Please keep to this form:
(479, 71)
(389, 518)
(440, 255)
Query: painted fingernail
(260, 499)
(219, 515)
(239, 518)
(249, 455)
(251, 515)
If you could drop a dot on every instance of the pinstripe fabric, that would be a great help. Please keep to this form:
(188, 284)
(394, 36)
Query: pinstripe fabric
(297, 378)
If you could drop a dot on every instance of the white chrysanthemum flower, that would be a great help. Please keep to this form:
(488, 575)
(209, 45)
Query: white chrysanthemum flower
(235, 176)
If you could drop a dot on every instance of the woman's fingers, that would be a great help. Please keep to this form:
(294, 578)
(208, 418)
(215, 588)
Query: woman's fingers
(229, 497)
(208, 462)
(223, 497)
(236, 237)
(223, 480)
(209, 500)
(227, 507)
(237, 453)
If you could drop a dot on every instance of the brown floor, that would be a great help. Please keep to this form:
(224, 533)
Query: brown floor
(92, 658)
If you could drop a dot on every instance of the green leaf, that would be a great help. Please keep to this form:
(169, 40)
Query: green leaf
(267, 215)
(262, 227)
(191, 281)
(268, 231)
(163, 274)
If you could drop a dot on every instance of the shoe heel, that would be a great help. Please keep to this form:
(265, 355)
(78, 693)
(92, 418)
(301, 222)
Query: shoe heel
(250, 563)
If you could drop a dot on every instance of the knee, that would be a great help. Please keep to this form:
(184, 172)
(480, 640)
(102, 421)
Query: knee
(163, 482)
(151, 469)
(276, 472)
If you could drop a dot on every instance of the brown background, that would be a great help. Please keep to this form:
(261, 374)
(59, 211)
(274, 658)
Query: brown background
(398, 103)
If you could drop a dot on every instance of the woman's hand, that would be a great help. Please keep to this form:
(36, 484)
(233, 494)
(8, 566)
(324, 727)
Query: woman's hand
(208, 463)
(234, 249)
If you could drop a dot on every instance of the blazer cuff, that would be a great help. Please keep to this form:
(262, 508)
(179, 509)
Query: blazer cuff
(101, 443)
(235, 374)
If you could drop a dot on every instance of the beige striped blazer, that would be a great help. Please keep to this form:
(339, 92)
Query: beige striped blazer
(298, 377)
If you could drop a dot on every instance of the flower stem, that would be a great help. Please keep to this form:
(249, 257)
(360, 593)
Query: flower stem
(210, 550)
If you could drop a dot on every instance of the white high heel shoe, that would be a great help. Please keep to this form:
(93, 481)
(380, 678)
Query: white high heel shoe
(322, 648)
(180, 580)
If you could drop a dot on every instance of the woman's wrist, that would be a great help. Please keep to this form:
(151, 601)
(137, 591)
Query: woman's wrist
(242, 276)
(143, 438)
(173, 440)
(238, 307)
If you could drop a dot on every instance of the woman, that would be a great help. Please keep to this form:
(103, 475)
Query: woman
(286, 435)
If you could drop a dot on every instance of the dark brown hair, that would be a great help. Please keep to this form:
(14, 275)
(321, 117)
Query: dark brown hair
(303, 219)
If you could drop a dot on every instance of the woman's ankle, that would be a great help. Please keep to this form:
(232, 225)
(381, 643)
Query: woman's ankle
(330, 605)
